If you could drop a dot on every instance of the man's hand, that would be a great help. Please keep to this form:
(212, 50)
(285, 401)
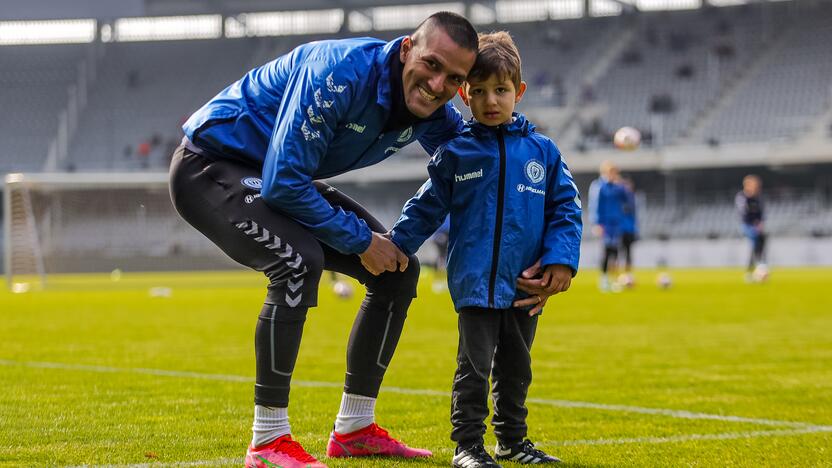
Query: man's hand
(598, 230)
(383, 255)
(554, 279)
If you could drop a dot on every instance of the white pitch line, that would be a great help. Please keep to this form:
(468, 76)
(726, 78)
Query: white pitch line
(217, 462)
(666, 412)
(681, 414)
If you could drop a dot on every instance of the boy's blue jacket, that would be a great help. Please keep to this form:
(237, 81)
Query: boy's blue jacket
(314, 113)
(512, 201)
(607, 202)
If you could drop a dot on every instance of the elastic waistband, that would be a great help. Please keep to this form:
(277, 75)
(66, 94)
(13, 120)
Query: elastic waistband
(192, 147)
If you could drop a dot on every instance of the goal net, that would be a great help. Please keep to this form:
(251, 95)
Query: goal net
(101, 222)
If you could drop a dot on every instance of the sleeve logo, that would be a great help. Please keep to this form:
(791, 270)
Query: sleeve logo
(405, 136)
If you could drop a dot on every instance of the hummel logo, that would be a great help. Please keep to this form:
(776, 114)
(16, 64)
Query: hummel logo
(468, 176)
(356, 127)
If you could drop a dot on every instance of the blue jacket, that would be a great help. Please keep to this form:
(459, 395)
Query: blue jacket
(314, 113)
(512, 201)
(607, 201)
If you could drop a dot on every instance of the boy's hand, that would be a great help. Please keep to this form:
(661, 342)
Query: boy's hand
(554, 279)
(383, 255)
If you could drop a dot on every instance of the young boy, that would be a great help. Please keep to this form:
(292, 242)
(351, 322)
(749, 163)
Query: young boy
(512, 202)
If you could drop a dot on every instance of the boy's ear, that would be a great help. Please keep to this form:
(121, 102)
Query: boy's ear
(519, 96)
(461, 92)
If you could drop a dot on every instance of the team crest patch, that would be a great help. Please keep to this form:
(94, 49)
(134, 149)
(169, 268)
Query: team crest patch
(252, 183)
(405, 136)
(535, 171)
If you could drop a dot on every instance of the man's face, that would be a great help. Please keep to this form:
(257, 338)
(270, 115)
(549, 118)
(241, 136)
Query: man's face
(434, 68)
(492, 101)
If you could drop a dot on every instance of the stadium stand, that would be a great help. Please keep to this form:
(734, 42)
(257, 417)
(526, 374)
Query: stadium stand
(787, 92)
(34, 84)
(142, 94)
(751, 74)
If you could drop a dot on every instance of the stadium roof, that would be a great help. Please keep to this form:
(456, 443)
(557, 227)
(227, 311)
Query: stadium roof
(107, 9)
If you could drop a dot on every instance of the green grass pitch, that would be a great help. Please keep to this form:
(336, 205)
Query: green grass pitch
(713, 372)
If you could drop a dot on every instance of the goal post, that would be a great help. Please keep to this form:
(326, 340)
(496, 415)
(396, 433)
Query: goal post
(58, 223)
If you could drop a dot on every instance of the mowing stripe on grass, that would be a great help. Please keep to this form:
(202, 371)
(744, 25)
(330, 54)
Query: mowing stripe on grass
(424, 392)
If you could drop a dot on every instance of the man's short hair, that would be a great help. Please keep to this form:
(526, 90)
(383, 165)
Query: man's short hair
(497, 56)
(457, 27)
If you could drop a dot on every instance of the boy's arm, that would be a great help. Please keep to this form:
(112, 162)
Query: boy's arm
(562, 236)
(426, 211)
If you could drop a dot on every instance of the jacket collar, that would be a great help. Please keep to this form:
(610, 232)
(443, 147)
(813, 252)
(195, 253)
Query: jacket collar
(519, 126)
(389, 52)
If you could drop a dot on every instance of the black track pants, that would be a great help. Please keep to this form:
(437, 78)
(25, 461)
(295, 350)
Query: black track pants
(221, 199)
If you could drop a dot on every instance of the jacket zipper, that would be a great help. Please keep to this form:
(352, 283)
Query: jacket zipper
(498, 224)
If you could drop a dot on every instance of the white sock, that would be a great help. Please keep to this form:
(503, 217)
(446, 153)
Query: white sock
(269, 424)
(357, 412)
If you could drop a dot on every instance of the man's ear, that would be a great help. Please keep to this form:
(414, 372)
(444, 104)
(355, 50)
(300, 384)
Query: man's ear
(406, 47)
(519, 96)
(463, 95)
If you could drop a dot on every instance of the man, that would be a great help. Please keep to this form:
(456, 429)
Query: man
(245, 177)
(749, 203)
(607, 198)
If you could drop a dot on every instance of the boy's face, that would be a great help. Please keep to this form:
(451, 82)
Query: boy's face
(492, 101)
(751, 186)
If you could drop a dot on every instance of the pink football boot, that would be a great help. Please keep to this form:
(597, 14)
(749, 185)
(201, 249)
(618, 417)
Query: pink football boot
(369, 441)
(282, 452)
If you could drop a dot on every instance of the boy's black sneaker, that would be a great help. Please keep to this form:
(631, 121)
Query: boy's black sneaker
(524, 453)
(474, 457)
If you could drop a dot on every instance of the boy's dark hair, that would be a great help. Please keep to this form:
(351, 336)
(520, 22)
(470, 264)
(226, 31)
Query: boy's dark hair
(497, 56)
(458, 28)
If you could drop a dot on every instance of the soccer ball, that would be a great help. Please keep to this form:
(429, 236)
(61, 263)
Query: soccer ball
(663, 280)
(342, 289)
(760, 274)
(626, 280)
(627, 138)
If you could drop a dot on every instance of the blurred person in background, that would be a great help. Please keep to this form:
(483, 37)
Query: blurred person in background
(749, 203)
(607, 199)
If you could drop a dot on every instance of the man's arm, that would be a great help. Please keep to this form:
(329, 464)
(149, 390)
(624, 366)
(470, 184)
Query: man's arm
(426, 211)
(315, 96)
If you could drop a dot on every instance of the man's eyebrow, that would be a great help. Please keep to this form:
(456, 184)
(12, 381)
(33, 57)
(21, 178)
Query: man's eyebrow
(438, 59)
